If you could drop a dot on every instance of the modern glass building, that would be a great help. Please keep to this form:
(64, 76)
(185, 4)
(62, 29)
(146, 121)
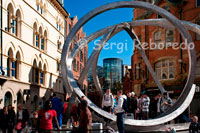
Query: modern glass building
(112, 68)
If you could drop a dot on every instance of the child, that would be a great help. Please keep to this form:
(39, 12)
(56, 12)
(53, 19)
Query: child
(194, 126)
(34, 122)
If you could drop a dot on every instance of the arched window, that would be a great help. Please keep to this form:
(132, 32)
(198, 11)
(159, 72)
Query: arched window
(169, 36)
(11, 71)
(41, 38)
(165, 69)
(198, 68)
(41, 74)
(45, 40)
(157, 38)
(35, 72)
(18, 24)
(17, 65)
(7, 99)
(10, 13)
(35, 36)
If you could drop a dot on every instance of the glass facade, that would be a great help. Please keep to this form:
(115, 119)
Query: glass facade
(112, 68)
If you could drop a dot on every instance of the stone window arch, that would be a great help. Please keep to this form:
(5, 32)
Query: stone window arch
(10, 64)
(35, 35)
(10, 14)
(17, 65)
(18, 24)
(45, 40)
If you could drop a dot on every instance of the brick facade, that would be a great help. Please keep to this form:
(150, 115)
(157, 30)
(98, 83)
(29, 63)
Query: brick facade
(142, 79)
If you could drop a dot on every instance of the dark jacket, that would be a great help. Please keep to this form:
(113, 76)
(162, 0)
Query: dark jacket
(194, 127)
(25, 115)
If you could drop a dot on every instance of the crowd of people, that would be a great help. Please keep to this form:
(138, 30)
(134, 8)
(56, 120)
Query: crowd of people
(47, 118)
(141, 108)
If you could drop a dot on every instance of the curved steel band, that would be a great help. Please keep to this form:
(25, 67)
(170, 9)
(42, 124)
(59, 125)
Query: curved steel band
(70, 82)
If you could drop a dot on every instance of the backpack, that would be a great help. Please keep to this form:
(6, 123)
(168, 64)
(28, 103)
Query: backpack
(125, 106)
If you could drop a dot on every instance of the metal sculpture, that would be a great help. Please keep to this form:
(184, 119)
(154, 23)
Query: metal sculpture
(66, 59)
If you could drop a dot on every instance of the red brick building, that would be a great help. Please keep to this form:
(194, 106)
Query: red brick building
(171, 66)
(81, 58)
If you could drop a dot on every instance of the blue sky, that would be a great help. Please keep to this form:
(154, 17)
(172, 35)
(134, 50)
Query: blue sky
(122, 44)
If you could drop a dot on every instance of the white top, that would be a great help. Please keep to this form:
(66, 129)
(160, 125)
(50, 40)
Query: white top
(20, 116)
(145, 104)
(119, 108)
(107, 100)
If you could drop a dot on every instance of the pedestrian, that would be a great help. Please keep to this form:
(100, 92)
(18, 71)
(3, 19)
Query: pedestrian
(57, 105)
(120, 112)
(158, 104)
(115, 103)
(195, 125)
(12, 115)
(4, 120)
(139, 108)
(129, 103)
(73, 113)
(85, 119)
(34, 122)
(145, 106)
(153, 107)
(46, 115)
(166, 103)
(107, 103)
(22, 118)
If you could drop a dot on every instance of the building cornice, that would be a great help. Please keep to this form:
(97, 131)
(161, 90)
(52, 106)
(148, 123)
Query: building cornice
(60, 7)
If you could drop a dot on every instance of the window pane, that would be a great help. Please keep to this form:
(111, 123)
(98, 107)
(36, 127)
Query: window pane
(164, 76)
(13, 68)
(171, 63)
(38, 7)
(42, 44)
(164, 63)
(169, 36)
(36, 41)
(41, 77)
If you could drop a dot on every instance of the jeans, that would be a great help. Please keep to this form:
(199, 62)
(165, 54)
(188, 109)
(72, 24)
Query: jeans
(120, 122)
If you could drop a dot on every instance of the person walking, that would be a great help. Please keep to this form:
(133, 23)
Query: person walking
(85, 119)
(166, 103)
(108, 101)
(46, 115)
(195, 125)
(57, 105)
(22, 118)
(145, 106)
(4, 120)
(12, 115)
(119, 111)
